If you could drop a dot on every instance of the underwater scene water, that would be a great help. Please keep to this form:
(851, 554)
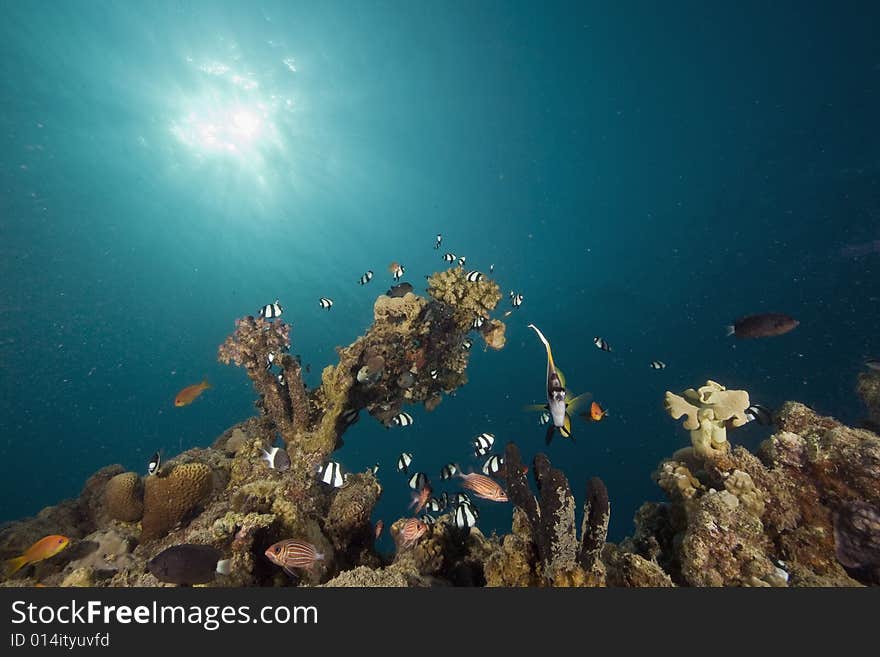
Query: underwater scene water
(640, 172)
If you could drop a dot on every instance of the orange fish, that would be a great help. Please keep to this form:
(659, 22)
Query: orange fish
(421, 499)
(189, 394)
(46, 547)
(293, 553)
(413, 529)
(393, 267)
(596, 412)
(484, 487)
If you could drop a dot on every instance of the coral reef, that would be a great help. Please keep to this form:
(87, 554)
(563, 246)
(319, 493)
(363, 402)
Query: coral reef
(868, 388)
(803, 511)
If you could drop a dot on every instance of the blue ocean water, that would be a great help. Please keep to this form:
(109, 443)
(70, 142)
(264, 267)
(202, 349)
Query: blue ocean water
(645, 172)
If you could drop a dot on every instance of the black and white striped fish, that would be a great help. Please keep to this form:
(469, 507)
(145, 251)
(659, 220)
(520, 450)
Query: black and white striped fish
(366, 278)
(466, 516)
(435, 374)
(460, 498)
(331, 474)
(449, 257)
(402, 419)
(281, 380)
(325, 303)
(483, 443)
(493, 465)
(448, 471)
(760, 413)
(277, 458)
(418, 481)
(516, 299)
(270, 358)
(403, 461)
(466, 344)
(601, 343)
(428, 520)
(474, 276)
(271, 310)
(544, 418)
(398, 272)
(154, 464)
(461, 261)
(478, 321)
(350, 416)
(374, 469)
(438, 242)
(491, 267)
(434, 505)
(658, 365)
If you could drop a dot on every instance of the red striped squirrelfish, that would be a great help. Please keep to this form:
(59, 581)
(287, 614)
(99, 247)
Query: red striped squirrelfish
(484, 487)
(413, 529)
(189, 394)
(46, 547)
(293, 553)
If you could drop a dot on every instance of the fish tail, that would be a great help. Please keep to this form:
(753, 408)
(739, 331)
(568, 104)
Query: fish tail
(224, 567)
(12, 566)
(730, 330)
(205, 385)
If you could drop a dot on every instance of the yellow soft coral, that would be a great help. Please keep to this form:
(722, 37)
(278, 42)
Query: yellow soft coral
(709, 411)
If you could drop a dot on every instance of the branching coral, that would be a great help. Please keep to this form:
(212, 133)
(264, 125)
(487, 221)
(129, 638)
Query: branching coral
(413, 352)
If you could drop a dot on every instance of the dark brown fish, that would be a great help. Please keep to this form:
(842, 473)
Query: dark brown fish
(765, 325)
(188, 564)
(399, 290)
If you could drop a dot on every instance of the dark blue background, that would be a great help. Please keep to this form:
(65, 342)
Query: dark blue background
(642, 171)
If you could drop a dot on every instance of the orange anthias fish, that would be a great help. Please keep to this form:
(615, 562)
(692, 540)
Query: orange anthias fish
(46, 547)
(421, 499)
(596, 412)
(189, 394)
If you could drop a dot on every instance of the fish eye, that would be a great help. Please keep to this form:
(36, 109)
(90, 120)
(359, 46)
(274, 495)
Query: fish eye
(277, 550)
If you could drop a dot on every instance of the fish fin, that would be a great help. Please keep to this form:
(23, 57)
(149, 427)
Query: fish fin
(535, 407)
(291, 572)
(549, 435)
(561, 377)
(205, 385)
(576, 402)
(12, 566)
(730, 330)
(224, 566)
(565, 429)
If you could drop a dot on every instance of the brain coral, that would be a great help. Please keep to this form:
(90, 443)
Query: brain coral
(123, 497)
(169, 499)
